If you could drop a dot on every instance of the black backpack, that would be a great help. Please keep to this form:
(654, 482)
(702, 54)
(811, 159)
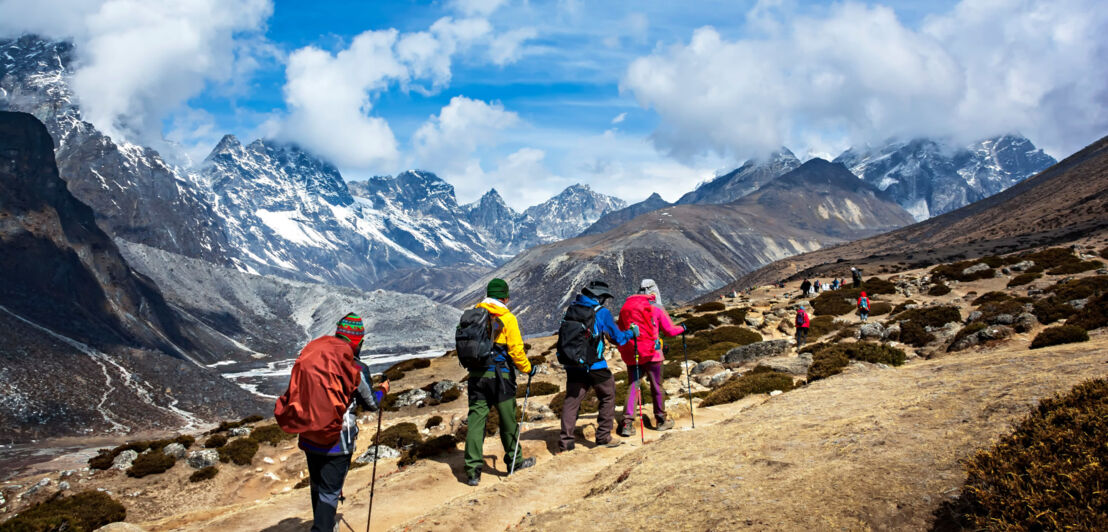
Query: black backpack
(474, 338)
(577, 345)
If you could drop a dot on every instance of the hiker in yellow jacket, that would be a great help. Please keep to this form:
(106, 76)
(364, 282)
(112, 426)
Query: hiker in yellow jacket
(495, 386)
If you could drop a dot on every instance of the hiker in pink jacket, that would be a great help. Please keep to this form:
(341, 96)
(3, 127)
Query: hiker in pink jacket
(643, 309)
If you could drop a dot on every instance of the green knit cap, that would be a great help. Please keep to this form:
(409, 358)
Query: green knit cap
(498, 289)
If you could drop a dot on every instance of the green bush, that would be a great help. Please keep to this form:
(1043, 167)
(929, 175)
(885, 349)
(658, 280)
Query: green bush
(938, 290)
(225, 426)
(877, 286)
(833, 303)
(1075, 267)
(271, 434)
(1062, 334)
(711, 306)
(1051, 258)
(1048, 474)
(1093, 316)
(240, 451)
(673, 370)
(104, 458)
(1023, 279)
(696, 324)
(433, 422)
(880, 308)
(151, 463)
(934, 317)
(1050, 310)
(991, 297)
(185, 440)
(710, 351)
(749, 383)
(450, 395)
(1080, 288)
(203, 474)
(735, 315)
(914, 334)
(428, 449)
(827, 362)
(81, 512)
(251, 419)
(394, 374)
(215, 440)
(538, 388)
(903, 306)
(822, 325)
(401, 435)
(731, 333)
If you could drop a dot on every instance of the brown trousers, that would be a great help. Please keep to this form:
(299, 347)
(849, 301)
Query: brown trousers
(576, 388)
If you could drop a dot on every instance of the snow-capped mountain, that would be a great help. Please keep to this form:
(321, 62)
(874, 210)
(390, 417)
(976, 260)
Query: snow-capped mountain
(929, 177)
(743, 180)
(135, 194)
(615, 219)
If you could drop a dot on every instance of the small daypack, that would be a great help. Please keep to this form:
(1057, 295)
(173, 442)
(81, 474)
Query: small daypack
(475, 338)
(863, 303)
(577, 346)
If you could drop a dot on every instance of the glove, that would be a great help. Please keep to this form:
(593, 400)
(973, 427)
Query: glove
(384, 387)
(635, 330)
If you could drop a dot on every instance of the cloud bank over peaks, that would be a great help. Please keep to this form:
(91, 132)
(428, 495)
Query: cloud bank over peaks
(857, 74)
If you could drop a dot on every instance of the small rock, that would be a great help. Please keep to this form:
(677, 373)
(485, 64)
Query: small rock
(719, 378)
(1102, 271)
(979, 267)
(203, 458)
(442, 387)
(974, 316)
(1003, 319)
(1078, 304)
(753, 321)
(63, 485)
(1034, 291)
(385, 453)
(124, 459)
(411, 397)
(892, 332)
(67, 473)
(704, 366)
(1025, 322)
(871, 330)
(1022, 266)
(1006, 270)
(176, 450)
(756, 350)
(36, 488)
(272, 477)
(268, 460)
(540, 412)
(240, 431)
(775, 393)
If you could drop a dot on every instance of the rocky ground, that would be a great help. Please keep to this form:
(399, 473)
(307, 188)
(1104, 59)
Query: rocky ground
(876, 447)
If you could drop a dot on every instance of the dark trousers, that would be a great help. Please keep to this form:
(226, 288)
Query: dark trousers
(327, 475)
(801, 336)
(576, 388)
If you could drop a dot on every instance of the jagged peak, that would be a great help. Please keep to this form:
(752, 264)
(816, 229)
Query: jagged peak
(227, 143)
(654, 197)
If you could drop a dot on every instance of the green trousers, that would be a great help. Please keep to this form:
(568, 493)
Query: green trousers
(475, 435)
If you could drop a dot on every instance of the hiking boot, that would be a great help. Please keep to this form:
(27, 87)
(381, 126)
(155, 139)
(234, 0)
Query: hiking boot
(474, 479)
(627, 430)
(525, 463)
(665, 425)
(611, 444)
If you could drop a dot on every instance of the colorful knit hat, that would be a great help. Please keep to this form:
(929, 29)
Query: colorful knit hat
(350, 327)
(498, 289)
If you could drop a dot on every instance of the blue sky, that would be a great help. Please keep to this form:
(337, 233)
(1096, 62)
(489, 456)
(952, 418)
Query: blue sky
(532, 96)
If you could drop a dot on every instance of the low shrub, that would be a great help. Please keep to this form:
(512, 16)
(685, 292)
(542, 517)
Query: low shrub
(394, 374)
(880, 308)
(1050, 310)
(991, 297)
(433, 422)
(710, 351)
(240, 451)
(736, 316)
(450, 395)
(185, 440)
(938, 290)
(1071, 268)
(1051, 258)
(833, 303)
(411, 364)
(1093, 316)
(934, 317)
(731, 333)
(538, 388)
(203, 474)
(764, 381)
(537, 359)
(711, 306)
(914, 334)
(1080, 288)
(696, 324)
(673, 370)
(1062, 334)
(251, 419)
(428, 449)
(225, 426)
(81, 512)
(271, 434)
(151, 463)
(401, 435)
(903, 306)
(953, 272)
(876, 285)
(1023, 279)
(825, 363)
(215, 440)
(972, 328)
(822, 325)
(1047, 474)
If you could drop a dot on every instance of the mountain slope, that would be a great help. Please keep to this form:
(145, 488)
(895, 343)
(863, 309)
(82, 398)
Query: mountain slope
(744, 180)
(691, 249)
(930, 178)
(1060, 204)
(615, 219)
(75, 314)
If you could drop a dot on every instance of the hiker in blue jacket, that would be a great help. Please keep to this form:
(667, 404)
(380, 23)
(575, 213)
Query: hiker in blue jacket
(596, 376)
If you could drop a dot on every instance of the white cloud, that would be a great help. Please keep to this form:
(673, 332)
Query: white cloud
(141, 61)
(476, 7)
(508, 47)
(619, 118)
(447, 142)
(858, 74)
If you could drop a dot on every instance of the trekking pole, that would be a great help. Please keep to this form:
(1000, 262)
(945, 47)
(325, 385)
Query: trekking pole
(376, 456)
(519, 428)
(638, 390)
(688, 378)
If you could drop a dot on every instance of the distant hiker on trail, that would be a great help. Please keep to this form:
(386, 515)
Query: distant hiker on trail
(856, 275)
(817, 285)
(802, 325)
(580, 348)
(863, 307)
(490, 346)
(643, 310)
(835, 284)
(328, 380)
(805, 287)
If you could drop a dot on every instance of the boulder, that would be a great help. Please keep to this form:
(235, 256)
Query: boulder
(1022, 266)
(442, 387)
(1025, 322)
(410, 397)
(124, 459)
(755, 351)
(203, 458)
(540, 412)
(240, 431)
(705, 366)
(385, 452)
(992, 332)
(1078, 304)
(797, 365)
(718, 379)
(979, 267)
(37, 487)
(1003, 319)
(176, 450)
(871, 330)
(754, 321)
(63, 485)
(974, 316)
(892, 332)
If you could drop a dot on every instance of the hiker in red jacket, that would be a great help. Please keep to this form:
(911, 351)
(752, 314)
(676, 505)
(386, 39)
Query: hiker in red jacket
(328, 381)
(863, 307)
(802, 325)
(643, 310)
